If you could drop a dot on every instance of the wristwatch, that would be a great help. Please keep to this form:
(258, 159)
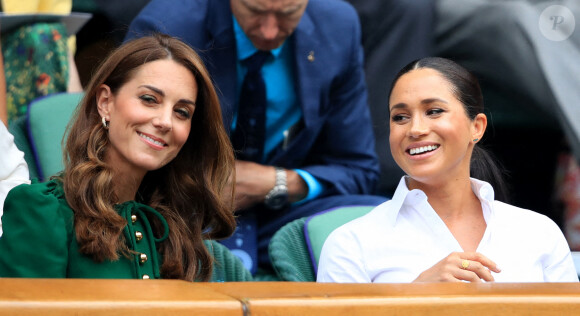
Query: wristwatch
(277, 198)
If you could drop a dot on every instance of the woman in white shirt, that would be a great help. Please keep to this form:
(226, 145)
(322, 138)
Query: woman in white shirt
(443, 224)
(13, 167)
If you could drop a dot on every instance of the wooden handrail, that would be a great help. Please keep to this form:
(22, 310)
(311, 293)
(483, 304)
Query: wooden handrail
(172, 297)
(406, 299)
(112, 297)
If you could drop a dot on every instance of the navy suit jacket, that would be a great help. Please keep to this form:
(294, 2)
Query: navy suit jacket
(335, 141)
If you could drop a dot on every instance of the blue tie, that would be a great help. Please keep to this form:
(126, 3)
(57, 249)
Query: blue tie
(248, 141)
(250, 134)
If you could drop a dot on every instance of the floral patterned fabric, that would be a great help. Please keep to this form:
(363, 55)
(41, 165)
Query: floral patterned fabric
(35, 63)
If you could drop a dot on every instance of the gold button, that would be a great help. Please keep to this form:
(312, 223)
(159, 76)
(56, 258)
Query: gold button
(133, 218)
(142, 258)
(138, 236)
(145, 277)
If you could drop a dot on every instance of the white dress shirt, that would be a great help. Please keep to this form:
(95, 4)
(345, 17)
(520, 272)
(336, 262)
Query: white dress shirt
(403, 237)
(13, 167)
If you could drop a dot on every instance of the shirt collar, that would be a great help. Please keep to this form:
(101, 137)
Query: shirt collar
(482, 190)
(245, 47)
(398, 200)
(485, 194)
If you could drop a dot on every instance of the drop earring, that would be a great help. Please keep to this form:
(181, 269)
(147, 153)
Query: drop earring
(105, 123)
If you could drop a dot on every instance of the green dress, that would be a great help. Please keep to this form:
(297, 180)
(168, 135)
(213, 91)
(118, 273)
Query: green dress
(39, 241)
(39, 238)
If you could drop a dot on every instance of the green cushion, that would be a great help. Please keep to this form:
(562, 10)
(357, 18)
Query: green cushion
(227, 267)
(48, 118)
(319, 226)
(289, 254)
(266, 275)
(295, 248)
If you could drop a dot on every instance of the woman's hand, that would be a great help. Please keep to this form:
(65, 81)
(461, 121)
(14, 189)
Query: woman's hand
(460, 266)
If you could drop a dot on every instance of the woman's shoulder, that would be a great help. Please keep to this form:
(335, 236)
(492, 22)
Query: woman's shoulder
(36, 216)
(505, 209)
(364, 226)
(52, 187)
(38, 196)
(525, 218)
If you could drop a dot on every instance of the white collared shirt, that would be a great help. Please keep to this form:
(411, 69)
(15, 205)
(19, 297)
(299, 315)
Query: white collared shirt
(403, 237)
(13, 168)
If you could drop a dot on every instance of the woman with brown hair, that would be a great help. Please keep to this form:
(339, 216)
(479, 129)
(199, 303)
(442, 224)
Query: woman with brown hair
(147, 162)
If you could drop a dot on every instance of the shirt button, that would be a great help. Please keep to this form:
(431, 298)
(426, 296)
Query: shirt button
(133, 218)
(138, 235)
(142, 258)
(145, 277)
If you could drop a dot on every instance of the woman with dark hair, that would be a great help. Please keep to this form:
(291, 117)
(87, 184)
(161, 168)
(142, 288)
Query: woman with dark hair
(147, 163)
(443, 223)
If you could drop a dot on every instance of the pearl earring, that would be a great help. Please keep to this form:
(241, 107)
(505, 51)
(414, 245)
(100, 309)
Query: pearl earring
(105, 123)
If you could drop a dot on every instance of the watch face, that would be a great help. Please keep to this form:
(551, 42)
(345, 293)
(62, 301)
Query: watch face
(277, 200)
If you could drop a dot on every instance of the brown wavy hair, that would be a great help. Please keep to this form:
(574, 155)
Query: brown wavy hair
(191, 192)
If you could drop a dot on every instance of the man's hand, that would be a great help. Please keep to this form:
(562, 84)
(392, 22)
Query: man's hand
(254, 181)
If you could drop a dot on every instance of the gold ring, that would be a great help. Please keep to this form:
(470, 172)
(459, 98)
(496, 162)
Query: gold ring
(464, 264)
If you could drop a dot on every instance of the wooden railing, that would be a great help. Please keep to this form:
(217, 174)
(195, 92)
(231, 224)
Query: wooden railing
(168, 297)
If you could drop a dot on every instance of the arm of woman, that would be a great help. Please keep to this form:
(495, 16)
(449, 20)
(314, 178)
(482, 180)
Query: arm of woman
(13, 167)
(558, 263)
(460, 266)
(37, 227)
(341, 259)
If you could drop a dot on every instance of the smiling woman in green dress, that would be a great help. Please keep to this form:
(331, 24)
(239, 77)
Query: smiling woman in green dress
(147, 162)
